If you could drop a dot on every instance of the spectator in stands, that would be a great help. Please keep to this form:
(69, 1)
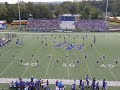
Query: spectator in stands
(91, 25)
(44, 24)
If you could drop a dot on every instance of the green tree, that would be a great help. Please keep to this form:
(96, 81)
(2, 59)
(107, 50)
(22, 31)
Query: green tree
(94, 13)
(3, 12)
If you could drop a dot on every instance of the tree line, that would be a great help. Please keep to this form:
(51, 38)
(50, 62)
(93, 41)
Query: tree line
(86, 10)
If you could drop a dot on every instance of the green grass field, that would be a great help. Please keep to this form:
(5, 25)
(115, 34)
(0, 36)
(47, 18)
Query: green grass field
(107, 44)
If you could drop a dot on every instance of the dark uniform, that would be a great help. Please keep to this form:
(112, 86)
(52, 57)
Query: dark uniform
(21, 61)
(94, 39)
(59, 44)
(37, 61)
(49, 56)
(97, 62)
(91, 45)
(83, 38)
(83, 44)
(103, 56)
(116, 62)
(85, 56)
(57, 61)
(33, 55)
(78, 61)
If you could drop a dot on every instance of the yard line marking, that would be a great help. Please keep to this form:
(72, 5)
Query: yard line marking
(105, 63)
(48, 64)
(111, 51)
(9, 65)
(7, 51)
(87, 64)
(68, 67)
(32, 60)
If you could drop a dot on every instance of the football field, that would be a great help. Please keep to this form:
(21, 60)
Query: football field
(55, 56)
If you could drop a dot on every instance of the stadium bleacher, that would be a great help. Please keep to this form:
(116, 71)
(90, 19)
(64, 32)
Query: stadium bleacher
(83, 25)
(91, 25)
(43, 24)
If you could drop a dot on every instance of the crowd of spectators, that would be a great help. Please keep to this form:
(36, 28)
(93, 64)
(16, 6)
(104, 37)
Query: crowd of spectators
(86, 84)
(35, 85)
(30, 85)
(91, 25)
(43, 24)
(83, 25)
(40, 84)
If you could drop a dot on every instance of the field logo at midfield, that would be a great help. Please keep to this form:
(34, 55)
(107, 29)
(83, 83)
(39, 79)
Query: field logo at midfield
(27, 64)
(109, 65)
(70, 65)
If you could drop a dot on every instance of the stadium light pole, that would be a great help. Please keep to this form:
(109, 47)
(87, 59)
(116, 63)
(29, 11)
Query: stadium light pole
(19, 14)
(106, 11)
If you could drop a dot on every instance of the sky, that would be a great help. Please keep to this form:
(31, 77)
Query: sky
(14, 1)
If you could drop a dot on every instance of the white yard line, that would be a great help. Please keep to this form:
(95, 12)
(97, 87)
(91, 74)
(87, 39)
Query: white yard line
(105, 63)
(68, 67)
(113, 52)
(7, 51)
(9, 65)
(32, 60)
(87, 64)
(49, 64)
(46, 72)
